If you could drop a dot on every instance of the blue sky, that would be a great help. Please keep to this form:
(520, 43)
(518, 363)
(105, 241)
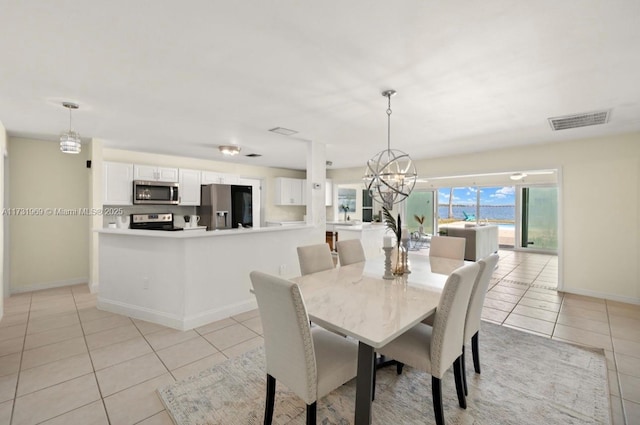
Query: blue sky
(488, 195)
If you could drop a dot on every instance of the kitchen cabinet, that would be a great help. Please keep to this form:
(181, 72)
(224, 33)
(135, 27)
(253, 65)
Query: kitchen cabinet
(212, 177)
(290, 191)
(189, 187)
(118, 183)
(154, 173)
(328, 193)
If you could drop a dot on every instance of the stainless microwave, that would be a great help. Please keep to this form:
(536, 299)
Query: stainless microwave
(159, 193)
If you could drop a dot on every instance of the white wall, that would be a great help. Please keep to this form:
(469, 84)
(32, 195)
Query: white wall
(600, 202)
(47, 250)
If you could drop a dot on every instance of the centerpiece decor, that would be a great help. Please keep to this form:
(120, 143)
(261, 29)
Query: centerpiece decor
(397, 268)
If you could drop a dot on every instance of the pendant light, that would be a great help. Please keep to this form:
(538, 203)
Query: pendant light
(70, 140)
(390, 175)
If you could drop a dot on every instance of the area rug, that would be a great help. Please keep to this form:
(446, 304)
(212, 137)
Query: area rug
(526, 379)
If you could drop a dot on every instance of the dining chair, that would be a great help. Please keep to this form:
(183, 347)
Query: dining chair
(474, 313)
(315, 258)
(309, 362)
(350, 251)
(447, 247)
(435, 349)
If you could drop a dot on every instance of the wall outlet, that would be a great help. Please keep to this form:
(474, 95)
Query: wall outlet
(282, 269)
(145, 283)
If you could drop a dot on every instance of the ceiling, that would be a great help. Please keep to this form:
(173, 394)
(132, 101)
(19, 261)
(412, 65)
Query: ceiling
(184, 77)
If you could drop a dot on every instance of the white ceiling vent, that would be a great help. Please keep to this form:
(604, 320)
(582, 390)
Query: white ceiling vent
(580, 120)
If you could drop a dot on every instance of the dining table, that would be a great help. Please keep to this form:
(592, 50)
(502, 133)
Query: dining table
(356, 301)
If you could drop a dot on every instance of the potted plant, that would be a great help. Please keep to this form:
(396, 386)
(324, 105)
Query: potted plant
(396, 228)
(420, 220)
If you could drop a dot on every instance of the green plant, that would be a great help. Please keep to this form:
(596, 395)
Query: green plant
(392, 224)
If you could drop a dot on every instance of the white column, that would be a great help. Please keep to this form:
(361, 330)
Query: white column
(316, 178)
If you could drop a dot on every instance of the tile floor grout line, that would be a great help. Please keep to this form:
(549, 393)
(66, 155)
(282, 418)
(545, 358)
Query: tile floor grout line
(24, 341)
(93, 367)
(615, 363)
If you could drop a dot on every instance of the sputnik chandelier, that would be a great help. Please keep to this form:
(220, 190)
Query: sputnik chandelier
(390, 175)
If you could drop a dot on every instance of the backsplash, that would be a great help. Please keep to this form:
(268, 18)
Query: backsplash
(178, 212)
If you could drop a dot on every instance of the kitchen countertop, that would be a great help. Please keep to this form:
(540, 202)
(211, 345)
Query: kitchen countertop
(186, 234)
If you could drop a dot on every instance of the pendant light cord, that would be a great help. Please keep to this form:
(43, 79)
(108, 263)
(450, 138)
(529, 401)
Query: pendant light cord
(389, 124)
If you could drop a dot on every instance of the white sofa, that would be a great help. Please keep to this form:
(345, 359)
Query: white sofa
(482, 241)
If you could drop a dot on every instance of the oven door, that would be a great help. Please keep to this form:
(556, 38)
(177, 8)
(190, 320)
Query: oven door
(158, 193)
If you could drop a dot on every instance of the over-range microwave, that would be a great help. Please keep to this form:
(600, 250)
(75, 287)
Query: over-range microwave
(151, 192)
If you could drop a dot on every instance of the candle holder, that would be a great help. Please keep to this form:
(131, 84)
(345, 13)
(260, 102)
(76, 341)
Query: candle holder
(387, 263)
(405, 258)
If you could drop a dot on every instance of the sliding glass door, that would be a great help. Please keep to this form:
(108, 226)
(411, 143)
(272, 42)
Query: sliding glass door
(539, 218)
(420, 207)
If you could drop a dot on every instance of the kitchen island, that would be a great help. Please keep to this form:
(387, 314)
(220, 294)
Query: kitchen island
(370, 234)
(186, 279)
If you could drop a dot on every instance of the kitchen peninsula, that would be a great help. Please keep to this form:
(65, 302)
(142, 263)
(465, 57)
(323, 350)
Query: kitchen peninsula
(187, 279)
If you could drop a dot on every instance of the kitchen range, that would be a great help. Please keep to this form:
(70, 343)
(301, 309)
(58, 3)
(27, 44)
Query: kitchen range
(153, 221)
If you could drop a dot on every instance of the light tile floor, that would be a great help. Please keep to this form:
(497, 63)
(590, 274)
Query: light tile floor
(62, 361)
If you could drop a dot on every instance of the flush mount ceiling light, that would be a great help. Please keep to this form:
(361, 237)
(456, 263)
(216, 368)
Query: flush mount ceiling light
(390, 175)
(229, 150)
(70, 140)
(517, 176)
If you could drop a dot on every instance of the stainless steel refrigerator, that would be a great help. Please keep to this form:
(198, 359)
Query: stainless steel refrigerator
(224, 206)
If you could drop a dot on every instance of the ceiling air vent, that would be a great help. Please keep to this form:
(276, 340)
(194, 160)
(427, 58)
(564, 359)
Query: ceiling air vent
(253, 155)
(580, 120)
(283, 131)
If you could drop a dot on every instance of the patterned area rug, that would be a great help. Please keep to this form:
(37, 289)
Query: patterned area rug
(525, 379)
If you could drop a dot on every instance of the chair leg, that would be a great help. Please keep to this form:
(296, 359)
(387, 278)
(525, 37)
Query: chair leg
(311, 413)
(399, 367)
(464, 372)
(373, 390)
(271, 397)
(436, 391)
(457, 372)
(476, 352)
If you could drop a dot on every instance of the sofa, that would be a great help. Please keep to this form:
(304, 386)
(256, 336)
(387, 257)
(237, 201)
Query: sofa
(481, 241)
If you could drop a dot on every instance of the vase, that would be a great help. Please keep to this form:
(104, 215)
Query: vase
(398, 258)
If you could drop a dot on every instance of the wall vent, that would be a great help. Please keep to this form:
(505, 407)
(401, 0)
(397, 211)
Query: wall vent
(580, 120)
(253, 155)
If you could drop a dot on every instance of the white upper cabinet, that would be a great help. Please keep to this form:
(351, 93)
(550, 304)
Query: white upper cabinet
(289, 191)
(118, 183)
(154, 173)
(189, 187)
(212, 177)
(328, 193)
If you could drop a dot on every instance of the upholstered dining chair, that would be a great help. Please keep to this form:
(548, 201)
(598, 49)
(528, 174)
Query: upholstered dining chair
(350, 251)
(435, 349)
(309, 362)
(474, 313)
(314, 258)
(447, 247)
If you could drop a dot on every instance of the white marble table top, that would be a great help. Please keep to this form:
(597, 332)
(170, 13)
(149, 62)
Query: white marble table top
(356, 301)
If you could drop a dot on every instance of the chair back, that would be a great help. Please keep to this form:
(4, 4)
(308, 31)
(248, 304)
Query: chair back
(447, 247)
(350, 251)
(449, 321)
(314, 258)
(288, 344)
(487, 265)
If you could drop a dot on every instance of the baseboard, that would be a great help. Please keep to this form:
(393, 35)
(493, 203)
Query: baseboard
(209, 316)
(48, 285)
(173, 320)
(597, 294)
(170, 320)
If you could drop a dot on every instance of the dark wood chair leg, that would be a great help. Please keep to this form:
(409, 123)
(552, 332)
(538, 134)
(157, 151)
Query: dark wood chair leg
(311, 413)
(271, 397)
(457, 372)
(464, 372)
(475, 348)
(373, 390)
(436, 391)
(399, 367)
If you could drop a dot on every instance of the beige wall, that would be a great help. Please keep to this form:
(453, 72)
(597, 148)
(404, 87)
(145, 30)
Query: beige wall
(600, 205)
(3, 147)
(47, 250)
